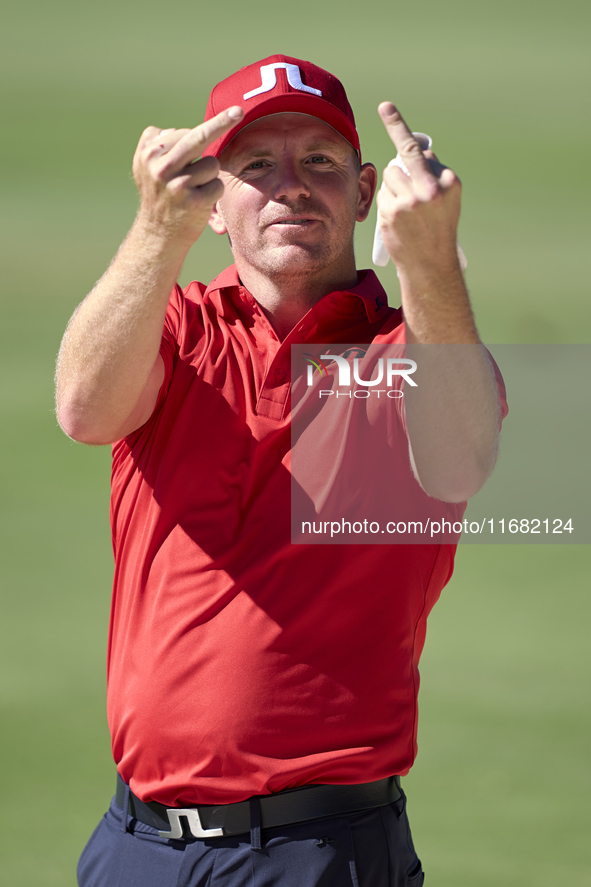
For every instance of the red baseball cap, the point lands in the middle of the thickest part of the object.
(281, 83)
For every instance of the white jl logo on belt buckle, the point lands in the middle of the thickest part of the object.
(195, 827)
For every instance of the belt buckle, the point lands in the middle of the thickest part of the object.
(194, 822)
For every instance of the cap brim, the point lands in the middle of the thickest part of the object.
(302, 104)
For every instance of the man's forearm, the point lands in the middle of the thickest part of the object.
(436, 305)
(110, 347)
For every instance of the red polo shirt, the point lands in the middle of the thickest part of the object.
(239, 663)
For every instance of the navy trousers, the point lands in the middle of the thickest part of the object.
(369, 849)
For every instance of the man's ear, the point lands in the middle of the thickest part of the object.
(216, 221)
(368, 181)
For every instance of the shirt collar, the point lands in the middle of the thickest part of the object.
(368, 289)
(372, 294)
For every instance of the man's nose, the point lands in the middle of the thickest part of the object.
(291, 183)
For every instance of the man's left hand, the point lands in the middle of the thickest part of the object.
(419, 212)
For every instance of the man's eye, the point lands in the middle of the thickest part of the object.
(319, 158)
(257, 164)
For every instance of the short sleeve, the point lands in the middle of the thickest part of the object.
(169, 344)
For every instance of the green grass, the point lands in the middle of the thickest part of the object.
(499, 792)
(500, 788)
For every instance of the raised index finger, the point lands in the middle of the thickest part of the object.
(405, 143)
(194, 143)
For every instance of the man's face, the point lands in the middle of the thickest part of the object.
(293, 191)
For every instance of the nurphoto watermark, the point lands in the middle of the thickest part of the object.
(353, 475)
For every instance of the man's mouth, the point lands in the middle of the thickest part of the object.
(293, 221)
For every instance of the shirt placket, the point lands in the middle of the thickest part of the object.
(273, 400)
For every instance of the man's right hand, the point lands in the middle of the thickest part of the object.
(178, 191)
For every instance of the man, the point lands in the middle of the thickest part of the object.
(266, 690)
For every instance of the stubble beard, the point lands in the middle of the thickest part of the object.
(308, 257)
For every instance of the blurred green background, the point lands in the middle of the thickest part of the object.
(499, 794)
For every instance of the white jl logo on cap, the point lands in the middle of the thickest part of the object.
(269, 80)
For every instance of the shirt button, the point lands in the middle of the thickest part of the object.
(279, 375)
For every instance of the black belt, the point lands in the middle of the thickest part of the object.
(283, 808)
